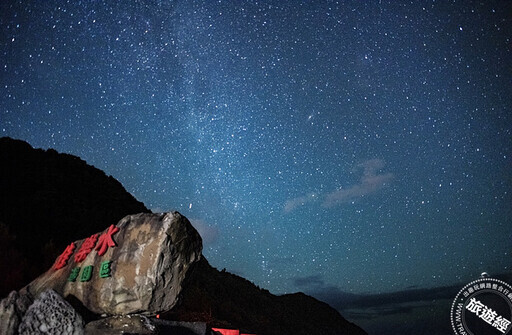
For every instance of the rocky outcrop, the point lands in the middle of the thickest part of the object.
(46, 200)
(12, 310)
(51, 314)
(137, 266)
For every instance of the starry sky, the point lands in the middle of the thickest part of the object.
(359, 146)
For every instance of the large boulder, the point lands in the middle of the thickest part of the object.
(136, 266)
(51, 314)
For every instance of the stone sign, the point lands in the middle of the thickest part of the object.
(136, 266)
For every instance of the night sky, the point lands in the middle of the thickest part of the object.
(361, 146)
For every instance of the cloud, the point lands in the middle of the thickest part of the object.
(209, 234)
(370, 182)
(291, 204)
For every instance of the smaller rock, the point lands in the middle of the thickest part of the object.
(51, 314)
(12, 310)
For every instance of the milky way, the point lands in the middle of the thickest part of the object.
(361, 146)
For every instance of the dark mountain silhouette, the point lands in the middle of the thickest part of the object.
(225, 300)
(47, 200)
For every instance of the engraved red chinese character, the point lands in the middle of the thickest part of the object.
(106, 240)
(86, 248)
(64, 257)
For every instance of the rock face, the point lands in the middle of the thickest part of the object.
(137, 266)
(51, 314)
